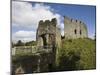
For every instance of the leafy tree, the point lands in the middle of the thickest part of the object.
(19, 43)
(30, 43)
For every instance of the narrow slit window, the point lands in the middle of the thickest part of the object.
(80, 32)
(75, 31)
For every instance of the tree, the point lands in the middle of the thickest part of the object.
(30, 43)
(20, 43)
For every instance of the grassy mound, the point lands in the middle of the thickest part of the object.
(77, 54)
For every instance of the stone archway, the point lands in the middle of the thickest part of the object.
(44, 40)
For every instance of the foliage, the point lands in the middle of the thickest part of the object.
(77, 54)
(19, 43)
(30, 43)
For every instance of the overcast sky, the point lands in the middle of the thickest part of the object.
(26, 15)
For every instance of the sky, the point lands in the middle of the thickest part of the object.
(26, 15)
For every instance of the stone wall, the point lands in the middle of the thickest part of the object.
(74, 29)
(48, 34)
(23, 50)
(39, 62)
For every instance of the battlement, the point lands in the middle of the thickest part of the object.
(75, 21)
(54, 21)
(41, 22)
(71, 20)
(48, 22)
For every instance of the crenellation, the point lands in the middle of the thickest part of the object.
(54, 21)
(41, 22)
(47, 22)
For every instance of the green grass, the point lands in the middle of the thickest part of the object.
(77, 54)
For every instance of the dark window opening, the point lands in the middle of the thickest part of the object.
(80, 32)
(71, 20)
(44, 41)
(75, 31)
(76, 20)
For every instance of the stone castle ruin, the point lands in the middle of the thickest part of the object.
(48, 35)
(74, 29)
(48, 38)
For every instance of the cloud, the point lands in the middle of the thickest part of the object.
(24, 36)
(28, 16)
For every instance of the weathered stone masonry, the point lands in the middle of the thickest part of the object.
(48, 35)
(74, 29)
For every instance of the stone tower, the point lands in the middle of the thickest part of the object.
(74, 29)
(48, 35)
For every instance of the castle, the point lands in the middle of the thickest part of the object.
(48, 38)
(74, 29)
(48, 34)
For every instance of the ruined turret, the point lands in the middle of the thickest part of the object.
(48, 34)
